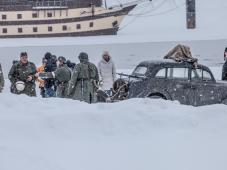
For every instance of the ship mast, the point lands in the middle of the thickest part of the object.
(105, 4)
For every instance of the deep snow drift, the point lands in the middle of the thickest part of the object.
(58, 134)
(145, 134)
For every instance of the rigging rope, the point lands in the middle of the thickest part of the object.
(151, 15)
(165, 12)
(159, 13)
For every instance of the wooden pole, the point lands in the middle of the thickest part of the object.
(191, 14)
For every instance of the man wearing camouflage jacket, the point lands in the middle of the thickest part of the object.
(23, 71)
(82, 85)
(2, 82)
(62, 76)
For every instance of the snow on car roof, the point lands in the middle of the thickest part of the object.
(168, 61)
(157, 62)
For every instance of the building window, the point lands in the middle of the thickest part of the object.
(78, 26)
(4, 30)
(91, 24)
(64, 27)
(35, 29)
(34, 15)
(49, 14)
(115, 24)
(50, 29)
(19, 16)
(20, 30)
(4, 17)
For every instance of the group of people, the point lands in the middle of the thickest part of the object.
(58, 77)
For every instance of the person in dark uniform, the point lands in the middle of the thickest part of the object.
(22, 76)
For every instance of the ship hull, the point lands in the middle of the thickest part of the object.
(110, 31)
(63, 22)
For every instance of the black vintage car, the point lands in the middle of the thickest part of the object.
(170, 80)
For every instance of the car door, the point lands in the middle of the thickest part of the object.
(179, 85)
(206, 92)
(138, 81)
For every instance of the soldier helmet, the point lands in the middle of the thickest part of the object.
(83, 56)
(62, 59)
(20, 85)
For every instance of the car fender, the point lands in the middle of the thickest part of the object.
(160, 92)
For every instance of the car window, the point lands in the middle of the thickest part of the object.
(200, 74)
(177, 73)
(206, 76)
(196, 74)
(161, 73)
(141, 70)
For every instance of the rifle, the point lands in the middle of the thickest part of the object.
(130, 76)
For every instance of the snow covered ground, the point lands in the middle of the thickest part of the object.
(137, 134)
(62, 134)
(58, 134)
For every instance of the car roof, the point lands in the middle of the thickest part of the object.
(168, 62)
(156, 62)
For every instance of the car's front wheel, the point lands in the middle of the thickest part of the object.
(157, 96)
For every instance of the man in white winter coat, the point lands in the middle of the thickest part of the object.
(107, 72)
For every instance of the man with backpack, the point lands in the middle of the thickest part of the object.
(62, 76)
(84, 80)
(22, 75)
